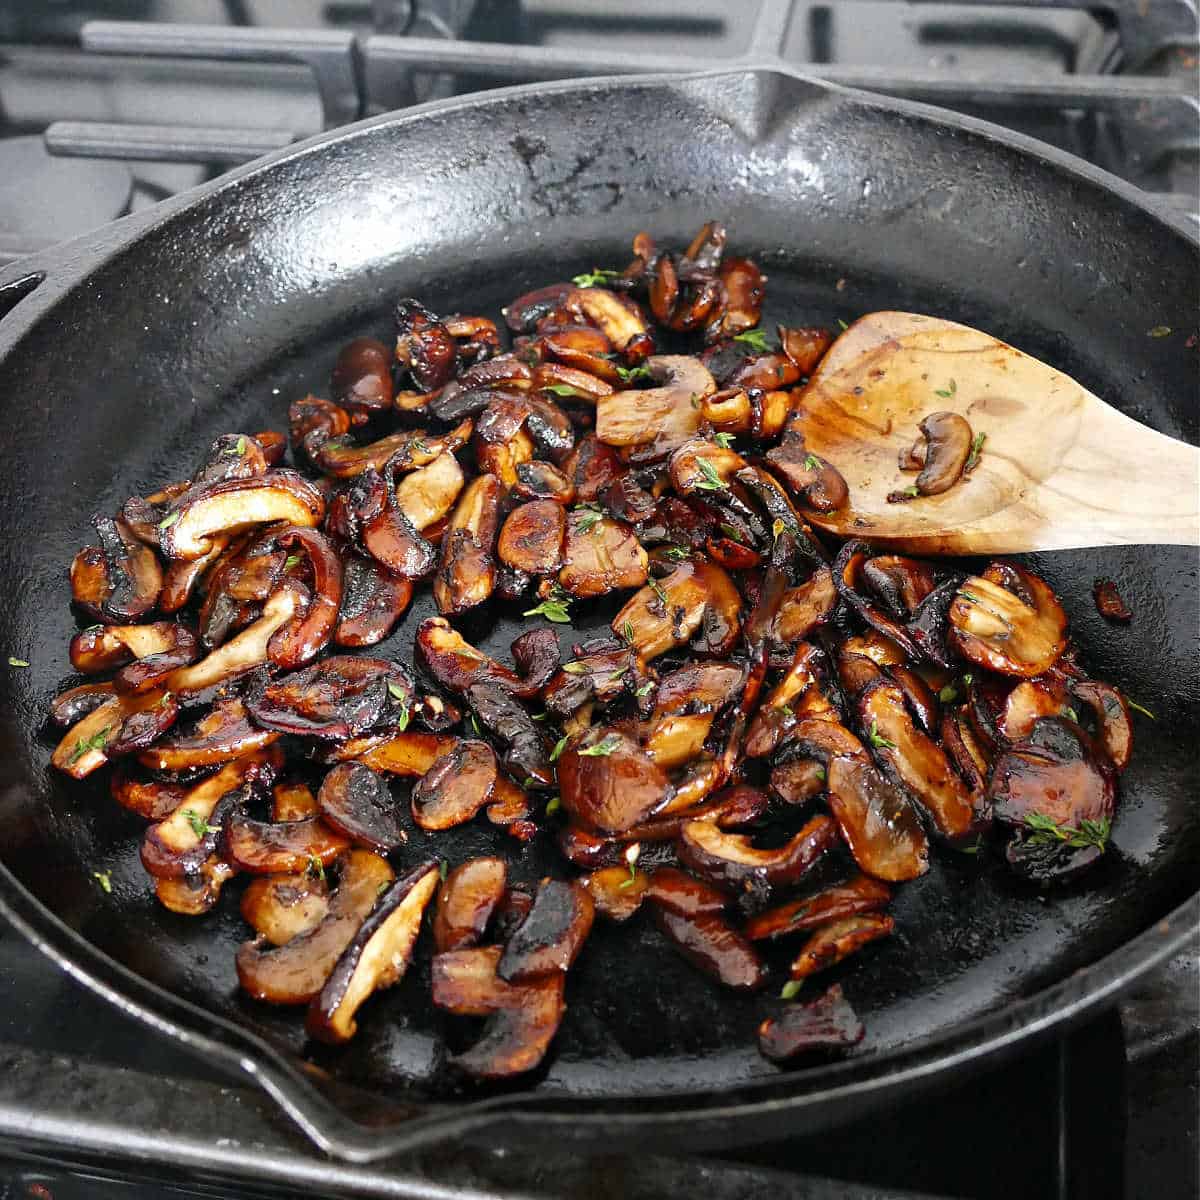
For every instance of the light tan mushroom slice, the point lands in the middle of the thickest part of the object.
(425, 496)
(96, 650)
(81, 750)
(678, 739)
(282, 907)
(601, 555)
(194, 895)
(665, 613)
(701, 466)
(668, 415)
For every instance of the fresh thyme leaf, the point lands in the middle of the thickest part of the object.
(104, 879)
(756, 339)
(316, 867)
(17, 662)
(199, 824)
(627, 633)
(970, 597)
(475, 726)
(712, 482)
(842, 325)
(1070, 712)
(656, 588)
(631, 858)
(1092, 833)
(730, 532)
(290, 561)
(397, 691)
(93, 629)
(912, 492)
(168, 520)
(404, 717)
(420, 445)
(1046, 832)
(575, 668)
(966, 681)
(675, 553)
(820, 773)
(791, 989)
(976, 449)
(1138, 708)
(241, 445)
(603, 748)
(812, 463)
(95, 742)
(588, 517)
(724, 440)
(877, 739)
(383, 887)
(563, 389)
(629, 374)
(539, 716)
(559, 747)
(595, 277)
(645, 689)
(554, 805)
(553, 608)
(695, 400)
(975, 848)
(946, 393)
(1159, 331)
(617, 676)
(443, 869)
(948, 694)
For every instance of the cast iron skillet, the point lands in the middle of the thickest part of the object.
(124, 353)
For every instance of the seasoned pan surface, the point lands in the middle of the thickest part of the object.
(142, 345)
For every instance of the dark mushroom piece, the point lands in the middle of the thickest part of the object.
(600, 555)
(617, 317)
(407, 450)
(552, 934)
(777, 718)
(1024, 705)
(424, 346)
(948, 439)
(805, 608)
(1109, 603)
(312, 422)
(531, 539)
(523, 313)
(831, 943)
(1114, 726)
(149, 798)
(455, 787)
(108, 646)
(827, 1023)
(684, 894)
(522, 1018)
(279, 847)
(813, 481)
(181, 579)
(536, 654)
(467, 901)
(616, 891)
(306, 635)
(102, 733)
(539, 480)
(862, 894)
(377, 956)
(591, 468)
(877, 822)
(713, 946)
(744, 287)
(222, 733)
(296, 972)
(362, 379)
(373, 600)
(467, 573)
(152, 670)
(283, 907)
(524, 747)
(195, 894)
(358, 804)
(609, 783)
(119, 580)
(293, 801)
(731, 808)
(383, 530)
(731, 860)
(454, 664)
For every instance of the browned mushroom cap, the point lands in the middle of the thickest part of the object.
(763, 371)
(377, 956)
(616, 892)
(1009, 621)
(149, 798)
(523, 314)
(901, 583)
(617, 317)
(362, 379)
(151, 670)
(601, 555)
(713, 946)
(75, 703)
(964, 748)
(1027, 703)
(196, 894)
(729, 809)
(877, 822)
(469, 896)
(224, 732)
(700, 466)
(455, 787)
(861, 894)
(1114, 726)
(406, 450)
(813, 481)
(273, 445)
(423, 345)
(233, 504)
(368, 511)
(798, 780)
(582, 348)
(537, 655)
(283, 907)
(295, 973)
(664, 417)
(407, 754)
(848, 577)
(731, 860)
(744, 287)
(609, 783)
(467, 573)
(838, 940)
(532, 537)
(777, 718)
(428, 494)
(523, 1018)
(696, 600)
(454, 664)
(552, 934)
(701, 687)
(828, 1023)
(539, 480)
(947, 446)
(373, 600)
(231, 456)
(525, 748)
(122, 724)
(916, 762)
(684, 894)
(805, 346)
(675, 740)
(307, 634)
(358, 804)
(805, 608)
(119, 580)
(105, 647)
(592, 467)
(312, 422)
(336, 698)
(283, 847)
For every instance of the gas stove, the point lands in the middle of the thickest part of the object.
(100, 117)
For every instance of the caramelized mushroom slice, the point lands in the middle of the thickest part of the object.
(862, 894)
(1026, 704)
(713, 946)
(877, 822)
(312, 422)
(536, 654)
(194, 895)
(696, 598)
(119, 580)
(828, 1023)
(601, 555)
(812, 480)
(543, 481)
(684, 894)
(455, 664)
(1109, 603)
(838, 940)
(664, 416)
(948, 440)
(591, 467)
(455, 787)
(285, 847)
(700, 466)
(673, 741)
(377, 956)
(408, 754)
(306, 634)
(292, 801)
(224, 732)
(701, 687)
(384, 531)
(152, 670)
(550, 937)
(283, 907)
(731, 860)
(1113, 722)
(526, 753)
(805, 608)
(427, 495)
(744, 290)
(961, 744)
(362, 379)
(616, 317)
(469, 896)
(358, 804)
(75, 703)
(997, 627)
(798, 780)
(233, 504)
(406, 450)
(608, 783)
(296, 972)
(149, 798)
(467, 573)
(522, 1018)
(616, 892)
(121, 724)
(777, 718)
(532, 537)
(805, 346)
(916, 762)
(373, 600)
(424, 346)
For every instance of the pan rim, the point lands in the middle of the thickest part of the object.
(985, 1036)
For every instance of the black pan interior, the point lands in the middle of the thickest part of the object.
(214, 319)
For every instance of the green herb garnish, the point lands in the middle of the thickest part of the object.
(946, 393)
(820, 774)
(104, 879)
(971, 598)
(563, 389)
(316, 867)
(199, 824)
(553, 608)
(842, 325)
(724, 440)
(443, 869)
(756, 339)
(948, 694)
(96, 742)
(475, 726)
(555, 803)
(627, 633)
(812, 463)
(595, 277)
(1138, 708)
(629, 374)
(290, 561)
(575, 668)
(1159, 331)
(675, 553)
(645, 689)
(603, 748)
(1047, 831)
(976, 448)
(631, 858)
(588, 517)
(712, 482)
(791, 989)
(1068, 711)
(17, 662)
(559, 747)
(730, 532)
(168, 520)
(878, 740)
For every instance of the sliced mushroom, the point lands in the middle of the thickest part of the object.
(591, 467)
(424, 346)
(713, 946)
(119, 725)
(969, 756)
(1026, 704)
(600, 555)
(828, 1023)
(283, 907)
(538, 480)
(552, 934)
(729, 809)
(805, 609)
(383, 529)
(362, 379)
(901, 583)
(663, 417)
(75, 703)
(744, 288)
(119, 580)
(233, 504)
(616, 891)
(455, 787)
(813, 481)
(838, 940)
(467, 901)
(877, 822)
(407, 450)
(696, 601)
(701, 687)
(948, 440)
(152, 670)
(149, 798)
(731, 860)
(700, 466)
(306, 635)
(454, 664)
(522, 1018)
(798, 780)
(377, 956)
(107, 646)
(862, 894)
(1114, 726)
(196, 894)
(284, 847)
(532, 537)
(684, 894)
(673, 741)
(408, 754)
(777, 718)
(467, 572)
(358, 804)
(1109, 603)
(222, 733)
(524, 747)
(609, 784)
(296, 972)
(805, 346)
(312, 422)
(293, 801)
(616, 317)
(995, 627)
(373, 600)
(427, 495)
(536, 654)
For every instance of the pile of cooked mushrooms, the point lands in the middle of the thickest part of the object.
(864, 706)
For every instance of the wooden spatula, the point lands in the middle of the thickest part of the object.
(1059, 467)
